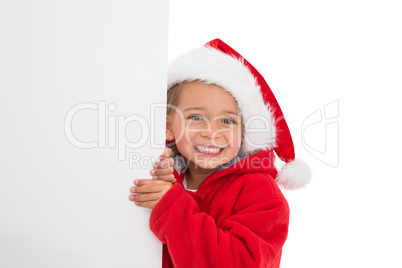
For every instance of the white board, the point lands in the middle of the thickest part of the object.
(77, 81)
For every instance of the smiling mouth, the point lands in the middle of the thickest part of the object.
(207, 149)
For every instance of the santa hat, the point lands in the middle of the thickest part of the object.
(265, 126)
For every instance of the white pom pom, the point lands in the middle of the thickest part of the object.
(294, 175)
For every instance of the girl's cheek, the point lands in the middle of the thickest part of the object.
(190, 132)
(239, 141)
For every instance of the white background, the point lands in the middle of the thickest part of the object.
(60, 205)
(315, 53)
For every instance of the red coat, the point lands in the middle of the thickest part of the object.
(237, 218)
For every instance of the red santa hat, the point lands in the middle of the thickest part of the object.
(265, 126)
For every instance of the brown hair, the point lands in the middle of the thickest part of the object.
(173, 96)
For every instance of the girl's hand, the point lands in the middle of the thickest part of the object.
(148, 192)
(163, 170)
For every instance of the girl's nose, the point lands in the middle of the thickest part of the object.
(213, 131)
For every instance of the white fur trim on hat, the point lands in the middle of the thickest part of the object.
(294, 175)
(215, 67)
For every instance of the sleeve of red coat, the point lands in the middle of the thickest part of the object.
(252, 236)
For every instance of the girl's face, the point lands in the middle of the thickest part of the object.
(206, 125)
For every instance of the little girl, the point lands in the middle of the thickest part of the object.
(218, 203)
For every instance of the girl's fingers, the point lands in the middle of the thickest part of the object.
(161, 172)
(148, 192)
(140, 182)
(145, 197)
(148, 204)
(148, 188)
(167, 153)
(164, 163)
(170, 178)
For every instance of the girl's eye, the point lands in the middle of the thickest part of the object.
(228, 121)
(195, 117)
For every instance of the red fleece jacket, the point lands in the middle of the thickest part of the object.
(237, 218)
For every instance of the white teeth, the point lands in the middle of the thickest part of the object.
(207, 150)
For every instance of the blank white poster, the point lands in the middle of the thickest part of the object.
(81, 88)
